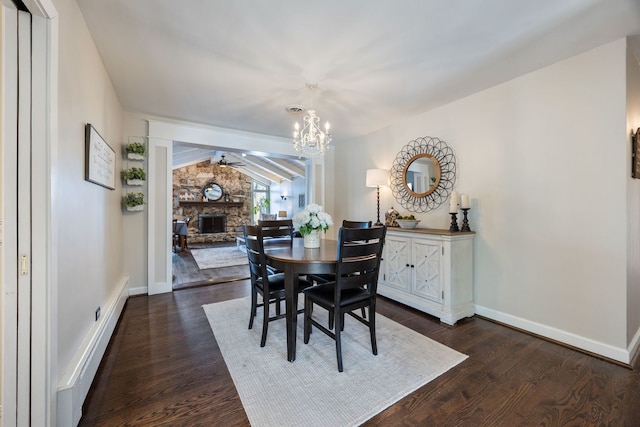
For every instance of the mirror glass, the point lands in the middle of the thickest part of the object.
(421, 175)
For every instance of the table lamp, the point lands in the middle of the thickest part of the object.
(377, 178)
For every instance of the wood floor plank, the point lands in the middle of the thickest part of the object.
(163, 367)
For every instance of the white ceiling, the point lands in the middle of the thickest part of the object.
(237, 64)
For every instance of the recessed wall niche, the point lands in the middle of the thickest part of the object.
(188, 183)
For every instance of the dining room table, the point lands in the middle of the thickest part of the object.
(294, 260)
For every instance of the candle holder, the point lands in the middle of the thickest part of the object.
(454, 222)
(465, 221)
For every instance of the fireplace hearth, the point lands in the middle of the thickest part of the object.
(212, 223)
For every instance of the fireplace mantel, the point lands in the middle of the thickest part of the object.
(222, 204)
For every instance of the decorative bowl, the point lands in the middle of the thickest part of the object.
(408, 223)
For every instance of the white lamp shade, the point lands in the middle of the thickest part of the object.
(377, 178)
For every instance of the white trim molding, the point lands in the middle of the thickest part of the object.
(78, 376)
(580, 342)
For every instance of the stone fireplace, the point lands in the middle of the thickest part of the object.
(212, 223)
(222, 220)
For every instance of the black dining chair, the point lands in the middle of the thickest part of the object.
(269, 286)
(325, 278)
(358, 266)
(276, 229)
(279, 228)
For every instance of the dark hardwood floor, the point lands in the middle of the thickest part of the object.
(163, 367)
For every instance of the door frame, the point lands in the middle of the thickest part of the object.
(160, 198)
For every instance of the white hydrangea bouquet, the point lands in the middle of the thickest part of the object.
(309, 222)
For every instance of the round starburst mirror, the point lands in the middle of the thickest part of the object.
(423, 174)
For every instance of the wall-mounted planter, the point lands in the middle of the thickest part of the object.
(134, 176)
(136, 150)
(133, 201)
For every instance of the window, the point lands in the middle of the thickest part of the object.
(260, 200)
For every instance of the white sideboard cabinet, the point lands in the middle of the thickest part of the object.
(430, 270)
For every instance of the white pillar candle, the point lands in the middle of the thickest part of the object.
(464, 201)
(453, 203)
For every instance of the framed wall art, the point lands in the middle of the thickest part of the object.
(100, 159)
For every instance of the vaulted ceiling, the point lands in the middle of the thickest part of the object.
(261, 168)
(238, 64)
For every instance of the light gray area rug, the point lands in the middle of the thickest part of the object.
(219, 257)
(311, 391)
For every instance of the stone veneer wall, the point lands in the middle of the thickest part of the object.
(192, 179)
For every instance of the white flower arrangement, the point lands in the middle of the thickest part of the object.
(312, 218)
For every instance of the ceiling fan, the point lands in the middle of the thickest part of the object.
(224, 163)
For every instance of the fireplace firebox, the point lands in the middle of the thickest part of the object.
(212, 223)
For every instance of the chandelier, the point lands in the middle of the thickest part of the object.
(311, 141)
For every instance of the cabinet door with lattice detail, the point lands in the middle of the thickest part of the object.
(396, 264)
(426, 265)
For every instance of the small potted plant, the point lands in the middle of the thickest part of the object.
(263, 205)
(136, 151)
(134, 176)
(133, 201)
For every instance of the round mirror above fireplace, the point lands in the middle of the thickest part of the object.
(212, 191)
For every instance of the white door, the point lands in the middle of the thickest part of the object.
(16, 217)
(26, 317)
(397, 258)
(426, 262)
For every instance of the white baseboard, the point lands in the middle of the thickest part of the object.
(606, 350)
(78, 376)
(634, 345)
(143, 290)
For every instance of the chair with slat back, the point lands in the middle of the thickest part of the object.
(269, 286)
(325, 278)
(358, 266)
(276, 229)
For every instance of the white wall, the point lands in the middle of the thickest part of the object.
(633, 196)
(89, 244)
(545, 161)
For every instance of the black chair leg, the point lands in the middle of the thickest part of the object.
(372, 330)
(308, 309)
(338, 319)
(265, 321)
(254, 305)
